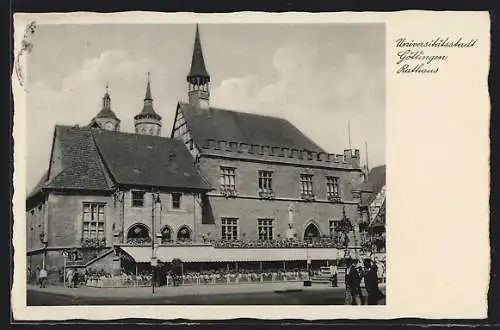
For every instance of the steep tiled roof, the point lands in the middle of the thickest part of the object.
(146, 160)
(221, 124)
(132, 159)
(375, 180)
(81, 163)
(374, 183)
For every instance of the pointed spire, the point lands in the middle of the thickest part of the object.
(148, 88)
(198, 68)
(148, 110)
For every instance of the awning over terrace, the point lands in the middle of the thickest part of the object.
(211, 254)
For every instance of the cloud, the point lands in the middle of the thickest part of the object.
(319, 93)
(318, 82)
(77, 98)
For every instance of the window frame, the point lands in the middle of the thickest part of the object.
(227, 179)
(268, 225)
(265, 181)
(96, 222)
(233, 224)
(332, 186)
(306, 182)
(172, 205)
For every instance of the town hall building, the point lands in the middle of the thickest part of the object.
(224, 186)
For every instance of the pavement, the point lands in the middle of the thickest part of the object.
(163, 291)
(291, 293)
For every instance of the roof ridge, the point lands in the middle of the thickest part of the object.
(108, 175)
(143, 136)
(239, 111)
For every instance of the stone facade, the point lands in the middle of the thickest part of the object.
(248, 207)
(59, 219)
(187, 215)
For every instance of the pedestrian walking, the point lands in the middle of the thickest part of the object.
(69, 277)
(334, 275)
(43, 278)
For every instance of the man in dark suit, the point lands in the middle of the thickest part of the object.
(354, 284)
(371, 283)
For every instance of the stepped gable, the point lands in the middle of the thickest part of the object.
(242, 127)
(145, 160)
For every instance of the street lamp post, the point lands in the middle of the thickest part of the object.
(154, 244)
(344, 228)
(309, 235)
(65, 256)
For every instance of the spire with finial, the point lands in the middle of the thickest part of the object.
(148, 88)
(106, 118)
(148, 121)
(198, 78)
(106, 100)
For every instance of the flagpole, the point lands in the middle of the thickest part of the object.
(349, 132)
(366, 151)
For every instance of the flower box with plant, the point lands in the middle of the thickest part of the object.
(139, 241)
(94, 243)
(334, 197)
(228, 192)
(266, 194)
(308, 197)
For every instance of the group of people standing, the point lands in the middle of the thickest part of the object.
(369, 273)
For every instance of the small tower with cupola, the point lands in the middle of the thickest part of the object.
(106, 118)
(148, 122)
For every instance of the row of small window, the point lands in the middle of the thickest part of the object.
(265, 179)
(138, 199)
(265, 228)
(230, 229)
(93, 214)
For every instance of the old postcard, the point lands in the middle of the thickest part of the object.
(273, 166)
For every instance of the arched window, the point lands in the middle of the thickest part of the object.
(311, 232)
(138, 234)
(166, 235)
(184, 234)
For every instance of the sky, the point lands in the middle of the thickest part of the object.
(318, 76)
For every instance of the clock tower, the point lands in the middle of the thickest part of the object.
(106, 118)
